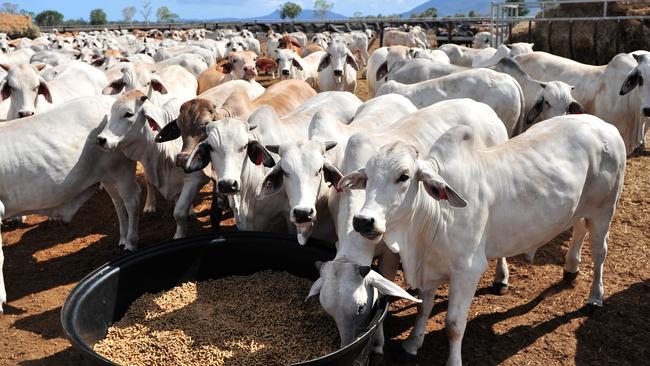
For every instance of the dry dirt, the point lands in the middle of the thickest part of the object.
(538, 322)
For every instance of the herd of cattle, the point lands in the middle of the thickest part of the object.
(446, 166)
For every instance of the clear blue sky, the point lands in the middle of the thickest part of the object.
(210, 9)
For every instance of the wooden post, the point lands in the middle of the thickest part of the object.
(618, 36)
(530, 31)
(449, 27)
(381, 34)
(571, 40)
(595, 39)
(548, 37)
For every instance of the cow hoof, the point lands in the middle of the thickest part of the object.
(591, 310)
(124, 250)
(403, 357)
(569, 277)
(499, 288)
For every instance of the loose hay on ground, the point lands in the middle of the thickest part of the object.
(261, 319)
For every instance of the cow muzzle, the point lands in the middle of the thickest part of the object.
(303, 215)
(104, 144)
(338, 72)
(365, 226)
(181, 159)
(285, 72)
(23, 114)
(228, 186)
(249, 73)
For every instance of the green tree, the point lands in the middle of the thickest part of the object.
(28, 13)
(146, 10)
(473, 14)
(165, 15)
(9, 8)
(128, 13)
(459, 14)
(290, 10)
(97, 17)
(429, 13)
(321, 7)
(357, 15)
(49, 18)
(523, 9)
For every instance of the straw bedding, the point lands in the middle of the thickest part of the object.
(261, 319)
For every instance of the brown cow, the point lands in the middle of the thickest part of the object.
(283, 97)
(238, 65)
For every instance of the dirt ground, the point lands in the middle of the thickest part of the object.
(538, 322)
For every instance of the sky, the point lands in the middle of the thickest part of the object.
(211, 9)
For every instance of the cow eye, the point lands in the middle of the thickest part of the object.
(319, 171)
(547, 103)
(285, 173)
(128, 114)
(360, 309)
(403, 178)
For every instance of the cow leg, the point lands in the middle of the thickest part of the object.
(501, 276)
(462, 286)
(572, 258)
(120, 209)
(150, 201)
(3, 291)
(184, 205)
(129, 191)
(364, 56)
(598, 234)
(416, 337)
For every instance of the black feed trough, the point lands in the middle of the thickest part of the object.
(103, 297)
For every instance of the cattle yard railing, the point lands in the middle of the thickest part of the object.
(504, 16)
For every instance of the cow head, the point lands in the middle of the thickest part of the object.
(392, 177)
(286, 61)
(338, 56)
(348, 291)
(235, 44)
(301, 171)
(321, 40)
(228, 145)
(553, 100)
(242, 65)
(638, 78)
(395, 54)
(191, 124)
(23, 84)
(132, 118)
(136, 78)
(481, 40)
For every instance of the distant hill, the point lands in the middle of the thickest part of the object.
(451, 7)
(307, 14)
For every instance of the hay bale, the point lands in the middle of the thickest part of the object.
(590, 42)
(18, 26)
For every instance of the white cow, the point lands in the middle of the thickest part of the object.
(376, 61)
(305, 167)
(292, 66)
(132, 129)
(482, 40)
(614, 92)
(235, 149)
(499, 91)
(487, 203)
(412, 38)
(346, 283)
(31, 94)
(50, 165)
(420, 69)
(337, 70)
(459, 55)
(357, 42)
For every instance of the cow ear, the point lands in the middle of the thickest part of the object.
(99, 61)
(387, 287)
(331, 174)
(271, 184)
(259, 155)
(44, 90)
(381, 71)
(169, 132)
(296, 64)
(226, 67)
(354, 180)
(576, 108)
(158, 85)
(5, 90)
(199, 158)
(536, 110)
(631, 81)
(315, 288)
(351, 61)
(6, 67)
(40, 67)
(324, 62)
(115, 87)
(265, 62)
(437, 187)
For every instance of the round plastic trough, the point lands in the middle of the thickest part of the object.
(104, 295)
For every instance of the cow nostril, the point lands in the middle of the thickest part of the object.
(646, 112)
(338, 72)
(363, 224)
(285, 72)
(234, 186)
(25, 114)
(101, 141)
